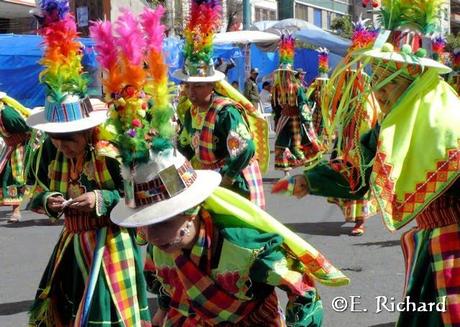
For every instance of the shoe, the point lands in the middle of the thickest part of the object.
(358, 230)
(14, 219)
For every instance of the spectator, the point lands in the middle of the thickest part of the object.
(251, 90)
(266, 97)
(224, 65)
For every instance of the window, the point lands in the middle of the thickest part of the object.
(329, 20)
(301, 11)
(318, 17)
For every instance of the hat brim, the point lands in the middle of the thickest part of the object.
(394, 56)
(216, 77)
(38, 121)
(206, 182)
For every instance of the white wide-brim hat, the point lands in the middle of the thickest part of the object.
(412, 60)
(215, 77)
(204, 184)
(96, 117)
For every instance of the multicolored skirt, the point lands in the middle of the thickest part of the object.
(296, 144)
(356, 210)
(432, 260)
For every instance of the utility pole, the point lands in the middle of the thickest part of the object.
(246, 14)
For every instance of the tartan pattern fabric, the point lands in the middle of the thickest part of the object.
(396, 212)
(208, 160)
(253, 176)
(119, 267)
(445, 251)
(198, 293)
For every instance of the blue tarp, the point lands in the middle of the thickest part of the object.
(20, 68)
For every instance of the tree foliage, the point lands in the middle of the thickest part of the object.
(343, 26)
(453, 41)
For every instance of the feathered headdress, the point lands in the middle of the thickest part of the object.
(123, 52)
(285, 82)
(62, 57)
(363, 36)
(287, 50)
(323, 62)
(204, 21)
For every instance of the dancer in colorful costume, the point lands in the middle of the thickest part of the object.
(314, 90)
(16, 134)
(222, 130)
(94, 276)
(345, 157)
(296, 141)
(215, 258)
(411, 162)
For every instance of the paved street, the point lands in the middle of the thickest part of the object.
(373, 262)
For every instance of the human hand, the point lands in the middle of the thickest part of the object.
(226, 181)
(300, 186)
(85, 202)
(55, 203)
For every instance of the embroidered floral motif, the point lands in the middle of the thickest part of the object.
(169, 278)
(75, 190)
(196, 140)
(235, 144)
(88, 170)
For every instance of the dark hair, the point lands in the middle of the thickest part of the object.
(264, 84)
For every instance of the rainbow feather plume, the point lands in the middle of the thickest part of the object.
(157, 87)
(323, 60)
(287, 49)
(63, 54)
(204, 21)
(363, 37)
(123, 52)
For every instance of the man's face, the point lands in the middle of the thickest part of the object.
(199, 93)
(254, 75)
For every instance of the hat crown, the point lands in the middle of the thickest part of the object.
(167, 174)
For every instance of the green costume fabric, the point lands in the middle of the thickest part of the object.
(232, 141)
(90, 248)
(13, 160)
(247, 264)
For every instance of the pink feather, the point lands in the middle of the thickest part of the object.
(106, 48)
(151, 22)
(130, 37)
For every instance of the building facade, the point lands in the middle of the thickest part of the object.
(15, 17)
(455, 16)
(318, 12)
